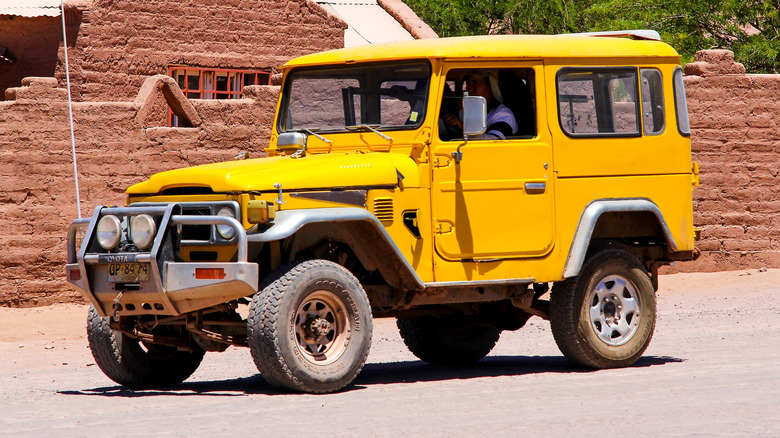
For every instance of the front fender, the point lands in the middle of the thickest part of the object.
(369, 235)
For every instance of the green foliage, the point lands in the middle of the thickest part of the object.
(749, 28)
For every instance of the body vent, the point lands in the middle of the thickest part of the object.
(383, 209)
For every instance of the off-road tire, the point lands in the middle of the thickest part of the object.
(605, 316)
(305, 294)
(126, 362)
(448, 340)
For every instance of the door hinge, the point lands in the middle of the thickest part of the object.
(444, 227)
(441, 161)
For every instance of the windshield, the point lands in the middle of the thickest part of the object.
(387, 96)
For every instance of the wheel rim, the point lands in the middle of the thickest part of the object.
(322, 330)
(614, 310)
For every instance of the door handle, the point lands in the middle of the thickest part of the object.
(535, 188)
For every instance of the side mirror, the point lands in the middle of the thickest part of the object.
(288, 141)
(474, 115)
(474, 121)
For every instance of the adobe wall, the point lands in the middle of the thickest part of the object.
(114, 45)
(735, 120)
(34, 45)
(121, 42)
(118, 144)
(736, 140)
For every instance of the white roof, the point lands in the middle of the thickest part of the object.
(30, 8)
(368, 22)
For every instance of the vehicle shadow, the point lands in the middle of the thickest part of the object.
(376, 374)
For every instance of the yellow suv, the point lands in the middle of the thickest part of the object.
(446, 183)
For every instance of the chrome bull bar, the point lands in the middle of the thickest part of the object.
(173, 287)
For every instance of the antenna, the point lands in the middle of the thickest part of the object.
(70, 109)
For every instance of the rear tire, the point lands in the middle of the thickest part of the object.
(605, 316)
(448, 341)
(310, 329)
(134, 364)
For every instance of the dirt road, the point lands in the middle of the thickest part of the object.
(713, 369)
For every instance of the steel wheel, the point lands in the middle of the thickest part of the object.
(614, 310)
(310, 328)
(321, 327)
(605, 316)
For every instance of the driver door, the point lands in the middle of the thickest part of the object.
(496, 203)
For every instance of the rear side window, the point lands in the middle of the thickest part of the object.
(681, 103)
(599, 102)
(652, 101)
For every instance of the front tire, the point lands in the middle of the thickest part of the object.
(605, 316)
(448, 340)
(310, 328)
(134, 364)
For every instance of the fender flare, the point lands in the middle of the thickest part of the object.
(288, 222)
(590, 216)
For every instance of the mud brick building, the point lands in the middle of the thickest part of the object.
(131, 62)
(735, 119)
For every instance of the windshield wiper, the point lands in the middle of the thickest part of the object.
(370, 128)
(311, 132)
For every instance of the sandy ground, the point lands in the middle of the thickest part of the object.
(713, 369)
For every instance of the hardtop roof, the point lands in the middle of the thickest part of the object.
(493, 47)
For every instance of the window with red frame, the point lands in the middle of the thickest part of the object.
(214, 83)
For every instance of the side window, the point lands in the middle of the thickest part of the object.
(509, 93)
(681, 103)
(652, 101)
(598, 102)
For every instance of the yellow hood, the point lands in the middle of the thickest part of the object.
(310, 172)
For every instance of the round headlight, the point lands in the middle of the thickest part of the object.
(142, 230)
(109, 231)
(226, 231)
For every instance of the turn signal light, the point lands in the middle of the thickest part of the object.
(209, 273)
(259, 211)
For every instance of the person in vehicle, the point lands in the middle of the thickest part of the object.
(501, 121)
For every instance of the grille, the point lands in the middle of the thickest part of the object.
(383, 209)
(196, 232)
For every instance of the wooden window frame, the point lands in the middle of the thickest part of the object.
(236, 80)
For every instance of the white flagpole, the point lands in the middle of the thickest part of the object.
(70, 109)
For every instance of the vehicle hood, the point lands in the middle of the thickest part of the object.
(310, 172)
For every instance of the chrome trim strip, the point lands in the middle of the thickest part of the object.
(479, 283)
(589, 218)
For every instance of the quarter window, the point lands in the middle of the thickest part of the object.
(598, 102)
(652, 101)
(681, 103)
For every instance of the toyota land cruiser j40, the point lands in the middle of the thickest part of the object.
(446, 183)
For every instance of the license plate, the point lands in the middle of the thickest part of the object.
(128, 272)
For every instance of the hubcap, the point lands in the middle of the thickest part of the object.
(321, 327)
(614, 310)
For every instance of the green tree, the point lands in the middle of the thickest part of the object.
(749, 28)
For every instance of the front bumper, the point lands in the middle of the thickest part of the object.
(172, 286)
